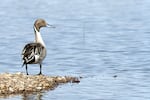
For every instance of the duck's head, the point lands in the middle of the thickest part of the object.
(41, 23)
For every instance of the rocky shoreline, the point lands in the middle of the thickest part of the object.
(18, 83)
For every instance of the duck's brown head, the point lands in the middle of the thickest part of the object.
(40, 23)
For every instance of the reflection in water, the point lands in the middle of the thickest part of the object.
(33, 96)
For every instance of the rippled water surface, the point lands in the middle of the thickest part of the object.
(107, 42)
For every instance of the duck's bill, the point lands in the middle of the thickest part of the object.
(50, 26)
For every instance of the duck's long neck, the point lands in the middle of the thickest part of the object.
(38, 38)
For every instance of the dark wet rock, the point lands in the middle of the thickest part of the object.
(21, 83)
(115, 76)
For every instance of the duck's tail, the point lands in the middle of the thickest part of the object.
(23, 63)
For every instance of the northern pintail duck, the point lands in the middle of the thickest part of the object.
(35, 52)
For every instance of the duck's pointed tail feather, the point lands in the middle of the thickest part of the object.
(23, 64)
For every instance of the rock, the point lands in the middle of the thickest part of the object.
(39, 88)
(21, 83)
(11, 90)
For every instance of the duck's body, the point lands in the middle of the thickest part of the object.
(34, 53)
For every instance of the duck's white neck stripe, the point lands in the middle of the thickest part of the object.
(38, 38)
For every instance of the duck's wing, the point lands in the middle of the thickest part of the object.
(32, 53)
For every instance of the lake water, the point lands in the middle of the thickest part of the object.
(107, 42)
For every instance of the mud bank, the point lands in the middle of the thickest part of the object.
(18, 83)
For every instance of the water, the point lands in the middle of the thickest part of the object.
(95, 39)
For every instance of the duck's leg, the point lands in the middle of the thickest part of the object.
(40, 69)
(27, 69)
